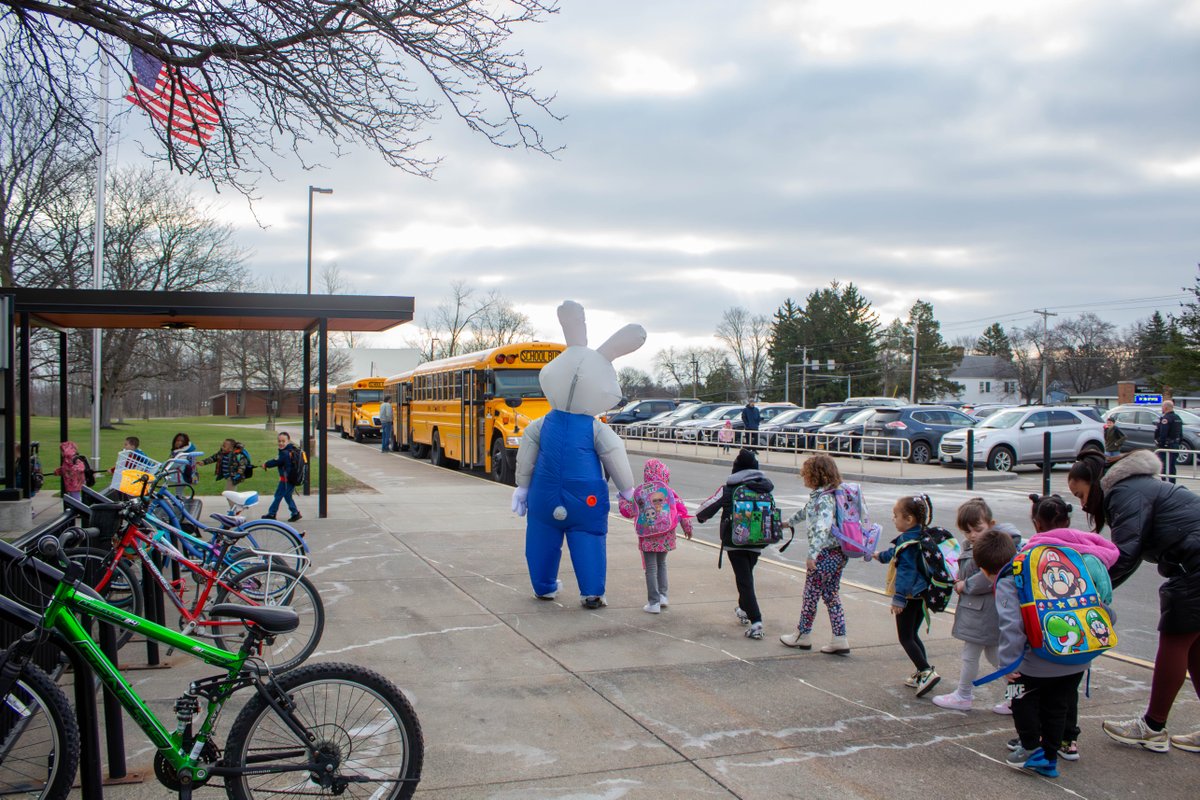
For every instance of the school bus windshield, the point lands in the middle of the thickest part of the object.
(368, 395)
(517, 383)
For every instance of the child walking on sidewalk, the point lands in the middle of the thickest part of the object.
(905, 583)
(658, 511)
(975, 622)
(825, 560)
(725, 436)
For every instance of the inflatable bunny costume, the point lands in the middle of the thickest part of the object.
(560, 483)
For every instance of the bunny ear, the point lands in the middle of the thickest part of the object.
(623, 342)
(570, 316)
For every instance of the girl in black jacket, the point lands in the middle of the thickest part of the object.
(742, 559)
(1159, 522)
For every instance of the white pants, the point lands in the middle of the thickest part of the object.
(970, 666)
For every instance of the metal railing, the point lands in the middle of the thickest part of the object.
(703, 441)
(1173, 466)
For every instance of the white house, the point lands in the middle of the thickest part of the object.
(985, 379)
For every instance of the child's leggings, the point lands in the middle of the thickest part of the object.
(823, 583)
(656, 575)
(970, 666)
(1177, 653)
(908, 627)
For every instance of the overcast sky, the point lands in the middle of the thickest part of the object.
(990, 157)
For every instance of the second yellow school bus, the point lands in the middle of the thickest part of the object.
(471, 410)
(355, 408)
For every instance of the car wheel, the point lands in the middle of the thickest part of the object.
(1002, 459)
(921, 453)
(1185, 459)
(358, 435)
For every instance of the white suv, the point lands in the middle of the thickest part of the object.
(1014, 436)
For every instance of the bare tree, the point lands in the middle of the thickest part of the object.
(157, 238)
(748, 337)
(689, 368)
(1027, 352)
(44, 155)
(1086, 350)
(633, 381)
(499, 323)
(287, 72)
(447, 331)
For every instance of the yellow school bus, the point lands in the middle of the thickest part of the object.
(470, 410)
(355, 409)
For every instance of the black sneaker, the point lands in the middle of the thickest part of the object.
(267, 516)
(295, 517)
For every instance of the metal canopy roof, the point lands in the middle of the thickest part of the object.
(90, 308)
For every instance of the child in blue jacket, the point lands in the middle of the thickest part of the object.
(288, 452)
(905, 583)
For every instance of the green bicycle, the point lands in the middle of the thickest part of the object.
(322, 730)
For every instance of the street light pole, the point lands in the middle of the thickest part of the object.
(311, 191)
(1045, 315)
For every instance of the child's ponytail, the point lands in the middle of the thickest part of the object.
(919, 507)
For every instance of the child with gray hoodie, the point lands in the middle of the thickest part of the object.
(975, 622)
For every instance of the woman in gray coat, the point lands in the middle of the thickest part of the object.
(1151, 520)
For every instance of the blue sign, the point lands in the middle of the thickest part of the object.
(1148, 399)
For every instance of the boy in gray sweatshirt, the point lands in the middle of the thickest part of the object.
(1040, 690)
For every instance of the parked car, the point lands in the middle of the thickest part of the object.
(642, 429)
(772, 430)
(799, 434)
(1138, 423)
(640, 410)
(767, 412)
(844, 436)
(921, 426)
(663, 426)
(690, 430)
(985, 410)
(1014, 436)
(875, 402)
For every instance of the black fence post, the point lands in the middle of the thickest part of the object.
(1046, 463)
(970, 459)
(90, 777)
(152, 601)
(114, 725)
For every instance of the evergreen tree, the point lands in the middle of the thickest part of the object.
(1151, 337)
(1182, 370)
(836, 324)
(994, 341)
(935, 359)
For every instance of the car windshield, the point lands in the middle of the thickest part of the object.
(861, 416)
(883, 416)
(717, 413)
(661, 416)
(1188, 417)
(368, 395)
(788, 416)
(1003, 419)
(828, 414)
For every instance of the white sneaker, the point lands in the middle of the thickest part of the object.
(1135, 731)
(755, 631)
(741, 615)
(929, 679)
(1004, 709)
(954, 701)
(912, 680)
(593, 602)
(662, 600)
(652, 608)
(550, 595)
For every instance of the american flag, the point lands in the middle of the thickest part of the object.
(189, 113)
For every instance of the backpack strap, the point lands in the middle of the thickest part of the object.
(1000, 672)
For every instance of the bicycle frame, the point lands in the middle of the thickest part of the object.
(178, 514)
(59, 617)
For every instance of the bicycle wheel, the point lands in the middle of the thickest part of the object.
(366, 736)
(272, 537)
(272, 585)
(39, 739)
(123, 589)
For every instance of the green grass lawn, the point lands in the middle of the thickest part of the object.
(206, 433)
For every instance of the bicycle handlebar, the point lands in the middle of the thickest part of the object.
(53, 546)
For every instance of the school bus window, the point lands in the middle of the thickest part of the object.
(517, 383)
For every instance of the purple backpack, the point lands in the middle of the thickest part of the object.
(851, 528)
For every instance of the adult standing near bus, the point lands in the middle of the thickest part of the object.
(1168, 435)
(385, 424)
(751, 416)
(1155, 521)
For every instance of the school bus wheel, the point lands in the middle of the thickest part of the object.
(502, 468)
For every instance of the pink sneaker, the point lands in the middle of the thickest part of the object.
(953, 701)
(1003, 709)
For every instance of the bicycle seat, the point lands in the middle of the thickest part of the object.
(241, 498)
(269, 619)
(231, 520)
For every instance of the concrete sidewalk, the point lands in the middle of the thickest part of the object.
(425, 581)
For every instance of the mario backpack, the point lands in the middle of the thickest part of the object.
(1065, 618)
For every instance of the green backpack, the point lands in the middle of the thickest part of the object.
(755, 521)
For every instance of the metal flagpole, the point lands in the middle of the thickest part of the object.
(98, 248)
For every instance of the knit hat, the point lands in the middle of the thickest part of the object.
(745, 460)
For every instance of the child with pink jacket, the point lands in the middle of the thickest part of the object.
(72, 470)
(658, 510)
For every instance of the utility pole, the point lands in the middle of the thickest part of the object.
(912, 395)
(696, 377)
(1045, 337)
(804, 377)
